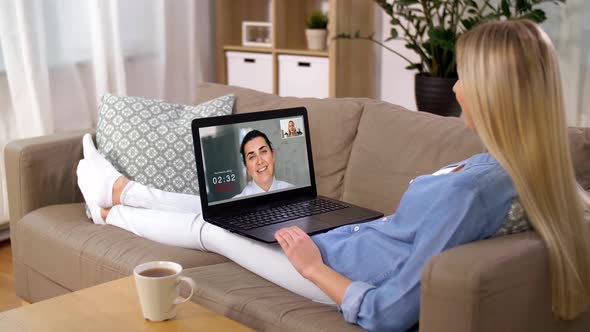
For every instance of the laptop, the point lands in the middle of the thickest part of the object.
(256, 176)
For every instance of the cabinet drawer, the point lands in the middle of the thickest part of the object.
(250, 70)
(303, 76)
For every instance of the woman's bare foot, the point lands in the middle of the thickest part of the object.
(118, 187)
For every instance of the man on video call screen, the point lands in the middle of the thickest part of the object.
(254, 158)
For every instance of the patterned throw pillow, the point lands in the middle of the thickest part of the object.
(516, 221)
(150, 141)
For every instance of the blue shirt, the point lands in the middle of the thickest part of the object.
(385, 257)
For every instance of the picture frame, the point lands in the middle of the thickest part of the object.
(258, 34)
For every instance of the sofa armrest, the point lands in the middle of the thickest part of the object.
(500, 284)
(41, 171)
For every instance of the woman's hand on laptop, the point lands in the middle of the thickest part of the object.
(302, 252)
(305, 256)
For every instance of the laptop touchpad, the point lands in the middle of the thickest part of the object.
(308, 225)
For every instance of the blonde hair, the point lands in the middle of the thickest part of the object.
(511, 83)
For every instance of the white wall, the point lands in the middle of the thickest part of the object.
(395, 84)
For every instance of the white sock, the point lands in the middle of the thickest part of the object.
(96, 176)
(95, 213)
(93, 208)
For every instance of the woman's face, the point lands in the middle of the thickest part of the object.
(466, 112)
(291, 127)
(260, 161)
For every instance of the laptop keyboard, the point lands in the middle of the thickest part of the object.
(282, 213)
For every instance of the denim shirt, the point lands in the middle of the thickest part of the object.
(385, 257)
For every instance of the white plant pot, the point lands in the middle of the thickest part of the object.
(316, 39)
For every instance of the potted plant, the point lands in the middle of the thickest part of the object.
(431, 28)
(316, 32)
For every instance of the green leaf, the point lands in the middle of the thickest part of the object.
(393, 33)
(473, 4)
(442, 38)
(536, 15)
(427, 46)
(523, 6)
(406, 2)
(387, 7)
(506, 8)
(469, 23)
(317, 20)
(394, 21)
(343, 36)
(357, 34)
(414, 47)
(417, 65)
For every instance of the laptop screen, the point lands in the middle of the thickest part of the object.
(248, 159)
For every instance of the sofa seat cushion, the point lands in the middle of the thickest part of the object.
(241, 295)
(60, 243)
(332, 124)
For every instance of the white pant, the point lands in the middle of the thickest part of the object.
(176, 219)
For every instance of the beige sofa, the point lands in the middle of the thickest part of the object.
(365, 152)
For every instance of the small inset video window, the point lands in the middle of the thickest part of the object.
(292, 128)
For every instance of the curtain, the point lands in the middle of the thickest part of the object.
(570, 33)
(573, 45)
(58, 57)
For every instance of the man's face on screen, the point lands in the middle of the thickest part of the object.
(260, 162)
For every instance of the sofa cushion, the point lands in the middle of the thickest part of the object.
(332, 123)
(60, 243)
(150, 141)
(243, 296)
(394, 145)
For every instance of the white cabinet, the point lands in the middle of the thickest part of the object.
(250, 70)
(303, 76)
(298, 76)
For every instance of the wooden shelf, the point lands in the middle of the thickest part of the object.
(240, 48)
(301, 52)
(351, 63)
(290, 51)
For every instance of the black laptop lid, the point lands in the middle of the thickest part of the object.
(230, 182)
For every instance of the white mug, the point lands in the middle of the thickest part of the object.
(158, 292)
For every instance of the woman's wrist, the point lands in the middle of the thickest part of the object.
(314, 272)
(329, 281)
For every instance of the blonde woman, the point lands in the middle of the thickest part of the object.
(510, 93)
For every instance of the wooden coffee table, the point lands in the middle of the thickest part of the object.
(112, 306)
